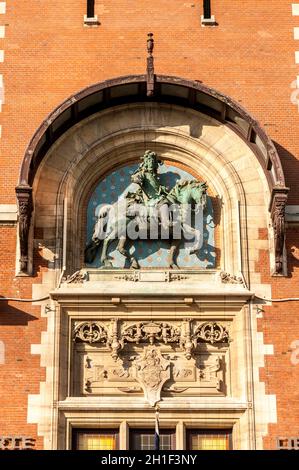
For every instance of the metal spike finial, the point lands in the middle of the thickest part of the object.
(150, 72)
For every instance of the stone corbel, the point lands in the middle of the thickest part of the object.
(25, 207)
(277, 209)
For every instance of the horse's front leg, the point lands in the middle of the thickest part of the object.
(121, 247)
(106, 243)
(173, 253)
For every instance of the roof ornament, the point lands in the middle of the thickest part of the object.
(150, 71)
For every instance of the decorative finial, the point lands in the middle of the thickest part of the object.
(150, 80)
(150, 43)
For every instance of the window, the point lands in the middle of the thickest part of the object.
(288, 443)
(207, 19)
(144, 439)
(90, 19)
(208, 440)
(104, 439)
(207, 9)
(90, 8)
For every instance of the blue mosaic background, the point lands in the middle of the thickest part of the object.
(149, 253)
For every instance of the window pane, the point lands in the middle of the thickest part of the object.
(145, 440)
(96, 441)
(201, 440)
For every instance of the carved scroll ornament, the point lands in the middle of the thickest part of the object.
(150, 332)
(90, 332)
(94, 332)
(211, 332)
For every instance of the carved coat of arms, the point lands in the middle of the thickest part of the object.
(152, 371)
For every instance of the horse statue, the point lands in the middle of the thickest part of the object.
(151, 205)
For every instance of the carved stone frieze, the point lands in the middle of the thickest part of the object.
(152, 371)
(202, 375)
(151, 332)
(211, 332)
(183, 335)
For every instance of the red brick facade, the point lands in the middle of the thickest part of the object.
(49, 55)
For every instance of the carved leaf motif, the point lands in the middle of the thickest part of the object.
(211, 332)
(151, 332)
(90, 332)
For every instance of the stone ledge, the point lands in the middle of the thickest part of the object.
(201, 404)
(208, 21)
(8, 213)
(91, 21)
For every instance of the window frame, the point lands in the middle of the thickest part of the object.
(100, 431)
(163, 431)
(212, 432)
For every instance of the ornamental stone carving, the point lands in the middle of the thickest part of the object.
(152, 371)
(95, 332)
(90, 332)
(227, 278)
(114, 342)
(182, 335)
(77, 278)
(208, 373)
(151, 332)
(211, 332)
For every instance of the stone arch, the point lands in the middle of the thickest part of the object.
(119, 95)
(120, 134)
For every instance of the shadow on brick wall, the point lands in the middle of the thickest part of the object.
(11, 315)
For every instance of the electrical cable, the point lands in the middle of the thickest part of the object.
(286, 299)
(14, 299)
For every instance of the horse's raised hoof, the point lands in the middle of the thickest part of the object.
(174, 266)
(135, 264)
(107, 264)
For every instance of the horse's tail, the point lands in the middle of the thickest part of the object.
(91, 250)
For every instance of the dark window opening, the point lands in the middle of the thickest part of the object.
(90, 8)
(207, 9)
